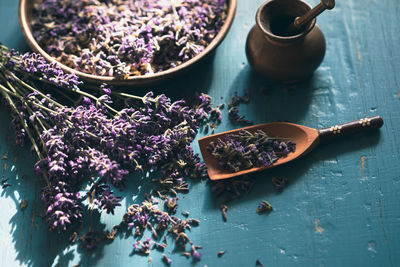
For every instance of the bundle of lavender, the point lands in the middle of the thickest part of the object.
(95, 144)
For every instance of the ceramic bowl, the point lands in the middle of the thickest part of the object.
(25, 17)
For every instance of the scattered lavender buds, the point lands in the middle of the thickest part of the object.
(233, 111)
(143, 247)
(264, 206)
(150, 215)
(124, 38)
(114, 231)
(246, 150)
(232, 188)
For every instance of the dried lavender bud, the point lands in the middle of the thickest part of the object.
(171, 204)
(224, 209)
(232, 188)
(73, 237)
(264, 206)
(186, 254)
(114, 231)
(259, 263)
(90, 240)
(279, 183)
(246, 150)
(23, 204)
(233, 111)
(196, 255)
(185, 213)
(221, 253)
(235, 117)
(126, 38)
(160, 246)
(4, 183)
(166, 259)
(193, 222)
(143, 247)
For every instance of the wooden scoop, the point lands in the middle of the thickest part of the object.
(305, 138)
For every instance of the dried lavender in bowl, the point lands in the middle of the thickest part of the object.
(246, 150)
(124, 38)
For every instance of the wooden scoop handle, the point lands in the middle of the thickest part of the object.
(341, 130)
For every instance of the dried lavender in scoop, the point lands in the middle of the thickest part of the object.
(246, 150)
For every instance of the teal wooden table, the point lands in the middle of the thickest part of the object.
(342, 203)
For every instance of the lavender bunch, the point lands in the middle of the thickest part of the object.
(124, 38)
(93, 143)
(247, 150)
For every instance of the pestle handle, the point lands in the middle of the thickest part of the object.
(345, 129)
(321, 7)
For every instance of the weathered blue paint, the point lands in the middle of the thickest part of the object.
(341, 207)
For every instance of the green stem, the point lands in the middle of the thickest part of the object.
(5, 90)
(34, 90)
(96, 99)
(28, 132)
(134, 97)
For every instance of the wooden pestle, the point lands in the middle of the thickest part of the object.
(299, 22)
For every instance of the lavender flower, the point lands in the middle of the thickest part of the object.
(61, 206)
(143, 247)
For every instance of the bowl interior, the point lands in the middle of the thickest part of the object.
(26, 16)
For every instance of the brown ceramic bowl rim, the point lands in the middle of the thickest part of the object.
(131, 80)
(283, 38)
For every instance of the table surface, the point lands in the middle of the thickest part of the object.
(341, 205)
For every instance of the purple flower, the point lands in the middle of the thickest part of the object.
(166, 259)
(196, 255)
(61, 207)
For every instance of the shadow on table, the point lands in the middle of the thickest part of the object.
(278, 102)
(273, 101)
(292, 171)
(34, 245)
